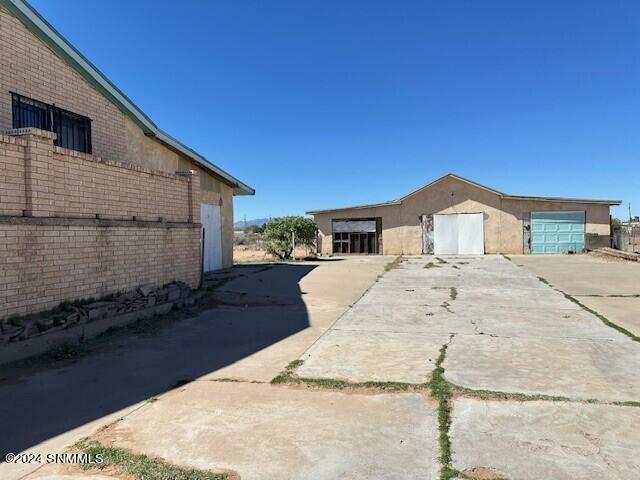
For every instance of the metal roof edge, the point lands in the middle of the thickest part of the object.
(562, 199)
(240, 188)
(369, 205)
(40, 27)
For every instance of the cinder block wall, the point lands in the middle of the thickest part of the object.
(74, 226)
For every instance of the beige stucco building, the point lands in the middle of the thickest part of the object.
(456, 215)
(93, 195)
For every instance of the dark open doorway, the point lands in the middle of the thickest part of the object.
(361, 236)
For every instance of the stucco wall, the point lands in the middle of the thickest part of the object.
(503, 218)
(392, 228)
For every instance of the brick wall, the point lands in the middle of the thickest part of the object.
(41, 180)
(12, 185)
(29, 68)
(46, 261)
(75, 226)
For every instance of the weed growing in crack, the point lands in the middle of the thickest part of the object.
(602, 318)
(441, 261)
(627, 404)
(453, 293)
(394, 264)
(335, 384)
(137, 465)
(441, 391)
(288, 377)
(495, 395)
(431, 265)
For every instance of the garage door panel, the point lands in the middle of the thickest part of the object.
(557, 232)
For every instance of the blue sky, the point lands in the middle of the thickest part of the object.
(325, 103)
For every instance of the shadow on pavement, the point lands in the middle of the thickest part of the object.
(131, 368)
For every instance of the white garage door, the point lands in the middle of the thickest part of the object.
(458, 233)
(212, 232)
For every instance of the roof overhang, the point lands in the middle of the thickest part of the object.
(563, 199)
(354, 207)
(65, 50)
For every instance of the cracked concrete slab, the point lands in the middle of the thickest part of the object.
(360, 356)
(409, 295)
(69, 472)
(264, 432)
(433, 319)
(490, 296)
(619, 310)
(584, 274)
(605, 370)
(252, 343)
(546, 440)
(516, 321)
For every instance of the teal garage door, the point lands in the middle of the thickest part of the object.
(557, 232)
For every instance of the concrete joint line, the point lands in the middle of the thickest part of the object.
(602, 318)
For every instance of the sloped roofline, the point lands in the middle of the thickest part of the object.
(475, 184)
(64, 49)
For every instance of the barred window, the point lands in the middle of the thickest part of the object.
(30, 113)
(73, 131)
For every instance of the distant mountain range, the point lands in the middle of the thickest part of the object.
(255, 221)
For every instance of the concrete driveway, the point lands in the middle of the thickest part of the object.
(467, 367)
(609, 286)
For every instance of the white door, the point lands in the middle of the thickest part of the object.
(458, 233)
(212, 233)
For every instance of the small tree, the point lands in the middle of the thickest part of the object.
(280, 232)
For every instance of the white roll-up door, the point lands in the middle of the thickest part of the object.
(460, 233)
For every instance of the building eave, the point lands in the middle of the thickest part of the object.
(562, 199)
(354, 207)
(42, 29)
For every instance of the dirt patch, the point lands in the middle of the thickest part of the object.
(252, 254)
(484, 473)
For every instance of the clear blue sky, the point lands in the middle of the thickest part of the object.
(328, 103)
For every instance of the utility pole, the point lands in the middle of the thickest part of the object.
(632, 238)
